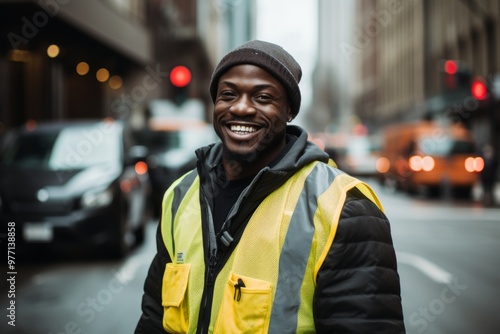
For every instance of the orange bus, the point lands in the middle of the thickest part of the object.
(425, 155)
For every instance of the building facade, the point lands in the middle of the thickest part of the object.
(68, 59)
(331, 106)
(400, 54)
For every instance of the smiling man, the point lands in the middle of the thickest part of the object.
(266, 235)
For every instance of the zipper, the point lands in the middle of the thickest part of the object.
(213, 266)
(205, 311)
(208, 291)
(240, 199)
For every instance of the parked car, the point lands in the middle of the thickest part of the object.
(171, 154)
(359, 157)
(74, 183)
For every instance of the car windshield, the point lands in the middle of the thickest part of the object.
(67, 149)
(360, 146)
(187, 139)
(158, 141)
(446, 146)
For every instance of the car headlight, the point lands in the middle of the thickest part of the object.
(97, 198)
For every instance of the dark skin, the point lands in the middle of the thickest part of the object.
(250, 114)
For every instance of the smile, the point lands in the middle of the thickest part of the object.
(241, 129)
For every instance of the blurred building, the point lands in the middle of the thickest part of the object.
(70, 59)
(331, 103)
(223, 25)
(63, 59)
(401, 48)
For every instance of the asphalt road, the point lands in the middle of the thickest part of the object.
(79, 293)
(448, 257)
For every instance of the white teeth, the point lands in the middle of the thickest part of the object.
(243, 129)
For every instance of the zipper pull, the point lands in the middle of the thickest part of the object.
(237, 289)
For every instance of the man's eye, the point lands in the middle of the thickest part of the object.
(227, 93)
(264, 98)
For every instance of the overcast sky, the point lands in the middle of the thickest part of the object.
(292, 24)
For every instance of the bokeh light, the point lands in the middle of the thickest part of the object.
(82, 68)
(102, 75)
(53, 51)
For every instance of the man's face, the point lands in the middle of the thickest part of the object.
(250, 114)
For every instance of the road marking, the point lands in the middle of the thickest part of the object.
(129, 269)
(428, 268)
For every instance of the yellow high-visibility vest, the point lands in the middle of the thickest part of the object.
(267, 285)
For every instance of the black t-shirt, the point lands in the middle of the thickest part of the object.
(226, 197)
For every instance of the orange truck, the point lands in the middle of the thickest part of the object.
(425, 155)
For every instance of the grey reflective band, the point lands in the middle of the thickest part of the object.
(179, 192)
(295, 252)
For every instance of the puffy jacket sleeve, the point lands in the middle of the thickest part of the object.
(358, 288)
(152, 310)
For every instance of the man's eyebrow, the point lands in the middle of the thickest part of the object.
(228, 83)
(233, 85)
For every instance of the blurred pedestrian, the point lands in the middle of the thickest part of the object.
(266, 236)
(489, 175)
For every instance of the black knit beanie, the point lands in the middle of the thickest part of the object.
(271, 57)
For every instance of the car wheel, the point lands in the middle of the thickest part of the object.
(146, 216)
(139, 235)
(464, 192)
(123, 238)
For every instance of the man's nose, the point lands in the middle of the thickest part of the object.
(243, 106)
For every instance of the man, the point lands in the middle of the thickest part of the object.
(488, 175)
(266, 236)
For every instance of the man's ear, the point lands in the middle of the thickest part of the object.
(289, 116)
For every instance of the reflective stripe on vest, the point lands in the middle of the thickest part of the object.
(277, 259)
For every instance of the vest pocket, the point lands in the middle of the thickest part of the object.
(246, 306)
(174, 297)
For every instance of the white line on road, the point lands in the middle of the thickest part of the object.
(128, 270)
(430, 269)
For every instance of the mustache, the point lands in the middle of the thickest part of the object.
(240, 119)
(253, 119)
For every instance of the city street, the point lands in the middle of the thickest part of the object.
(448, 263)
(103, 104)
(447, 254)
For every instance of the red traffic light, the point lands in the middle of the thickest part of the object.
(450, 67)
(180, 76)
(479, 89)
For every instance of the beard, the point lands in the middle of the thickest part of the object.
(240, 157)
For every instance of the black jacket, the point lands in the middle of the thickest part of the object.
(358, 289)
